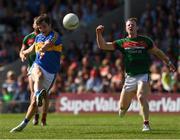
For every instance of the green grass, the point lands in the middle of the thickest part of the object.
(92, 126)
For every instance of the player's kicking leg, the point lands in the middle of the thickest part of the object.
(142, 93)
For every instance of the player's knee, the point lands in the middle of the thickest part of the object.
(141, 97)
(39, 74)
(123, 107)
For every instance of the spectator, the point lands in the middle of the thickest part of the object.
(21, 93)
(167, 79)
(9, 87)
(80, 82)
(94, 83)
(117, 80)
(155, 78)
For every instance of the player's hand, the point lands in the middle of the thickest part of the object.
(172, 68)
(41, 52)
(22, 56)
(100, 29)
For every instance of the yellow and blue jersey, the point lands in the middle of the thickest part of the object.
(51, 59)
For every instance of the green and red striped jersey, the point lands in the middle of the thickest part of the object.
(136, 56)
(28, 41)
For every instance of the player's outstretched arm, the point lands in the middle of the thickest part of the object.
(25, 53)
(160, 54)
(46, 45)
(102, 44)
(29, 50)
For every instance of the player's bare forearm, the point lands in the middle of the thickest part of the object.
(100, 41)
(45, 46)
(102, 44)
(161, 55)
(24, 53)
(29, 50)
(22, 49)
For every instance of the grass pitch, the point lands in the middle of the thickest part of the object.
(92, 126)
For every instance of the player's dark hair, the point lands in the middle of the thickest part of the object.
(43, 18)
(132, 19)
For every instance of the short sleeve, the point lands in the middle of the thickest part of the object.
(118, 44)
(149, 42)
(25, 40)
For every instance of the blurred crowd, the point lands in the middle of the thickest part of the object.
(84, 67)
(162, 24)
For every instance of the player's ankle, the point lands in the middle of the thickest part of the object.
(26, 121)
(36, 116)
(122, 112)
(146, 122)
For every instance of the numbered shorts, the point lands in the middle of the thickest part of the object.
(131, 82)
(48, 78)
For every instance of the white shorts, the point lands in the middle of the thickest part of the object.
(29, 69)
(48, 78)
(131, 82)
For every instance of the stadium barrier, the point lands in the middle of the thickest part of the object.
(108, 103)
(97, 103)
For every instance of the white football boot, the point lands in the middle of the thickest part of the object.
(146, 127)
(19, 128)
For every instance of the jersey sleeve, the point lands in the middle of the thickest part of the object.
(118, 44)
(25, 40)
(149, 42)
